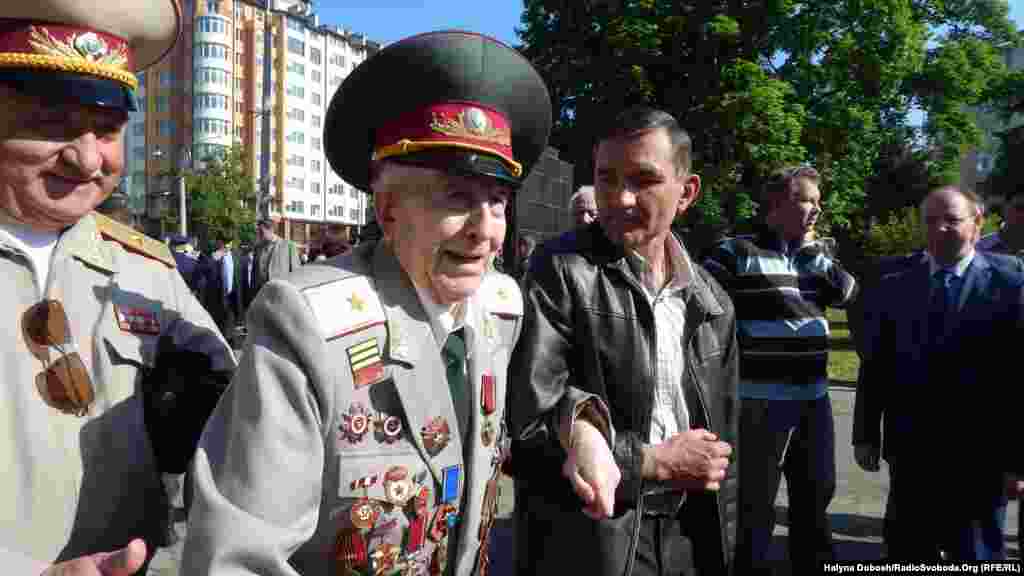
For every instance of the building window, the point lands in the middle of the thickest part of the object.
(297, 68)
(210, 102)
(315, 98)
(296, 91)
(296, 183)
(296, 206)
(212, 76)
(139, 153)
(294, 24)
(315, 142)
(296, 46)
(353, 214)
(353, 193)
(212, 24)
(315, 76)
(314, 187)
(314, 55)
(296, 160)
(315, 121)
(212, 127)
(139, 129)
(314, 165)
(336, 81)
(297, 114)
(314, 210)
(165, 128)
(337, 60)
(296, 138)
(207, 50)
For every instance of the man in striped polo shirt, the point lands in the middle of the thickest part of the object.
(781, 280)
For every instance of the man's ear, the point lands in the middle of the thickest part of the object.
(689, 194)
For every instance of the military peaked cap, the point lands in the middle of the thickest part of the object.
(452, 100)
(89, 50)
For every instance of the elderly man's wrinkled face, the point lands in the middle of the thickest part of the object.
(953, 225)
(444, 228)
(58, 160)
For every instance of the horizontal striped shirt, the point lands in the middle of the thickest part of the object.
(780, 294)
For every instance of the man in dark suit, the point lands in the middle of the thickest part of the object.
(931, 377)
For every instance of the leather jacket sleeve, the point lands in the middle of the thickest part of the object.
(546, 398)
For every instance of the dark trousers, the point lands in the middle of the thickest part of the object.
(921, 522)
(795, 438)
(663, 549)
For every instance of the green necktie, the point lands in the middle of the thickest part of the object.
(454, 356)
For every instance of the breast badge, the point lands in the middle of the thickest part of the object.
(364, 514)
(350, 552)
(355, 423)
(384, 558)
(389, 428)
(398, 486)
(436, 435)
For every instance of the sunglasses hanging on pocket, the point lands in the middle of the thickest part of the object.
(65, 383)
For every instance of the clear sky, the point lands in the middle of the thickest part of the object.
(386, 21)
(389, 20)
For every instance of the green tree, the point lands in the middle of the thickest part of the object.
(222, 196)
(764, 84)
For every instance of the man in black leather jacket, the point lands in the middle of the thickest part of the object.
(624, 332)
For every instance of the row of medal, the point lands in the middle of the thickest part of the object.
(362, 546)
(357, 422)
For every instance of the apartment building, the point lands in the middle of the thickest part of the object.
(208, 95)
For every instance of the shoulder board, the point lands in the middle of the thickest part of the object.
(500, 295)
(345, 306)
(133, 240)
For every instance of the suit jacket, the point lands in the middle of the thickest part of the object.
(925, 395)
(330, 442)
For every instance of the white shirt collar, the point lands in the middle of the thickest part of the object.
(958, 269)
(678, 261)
(443, 320)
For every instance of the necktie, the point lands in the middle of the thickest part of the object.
(454, 356)
(942, 304)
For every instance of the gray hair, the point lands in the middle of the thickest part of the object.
(582, 190)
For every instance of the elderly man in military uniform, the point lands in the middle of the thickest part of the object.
(363, 432)
(98, 321)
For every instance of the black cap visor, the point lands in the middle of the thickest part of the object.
(55, 86)
(465, 163)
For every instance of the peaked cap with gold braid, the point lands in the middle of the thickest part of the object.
(451, 100)
(89, 50)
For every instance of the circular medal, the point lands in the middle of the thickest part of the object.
(364, 514)
(359, 424)
(487, 433)
(392, 429)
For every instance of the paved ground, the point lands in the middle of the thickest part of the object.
(856, 511)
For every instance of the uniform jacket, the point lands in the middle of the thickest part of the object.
(274, 259)
(328, 448)
(72, 485)
(589, 331)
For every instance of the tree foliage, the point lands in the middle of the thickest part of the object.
(764, 83)
(222, 196)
